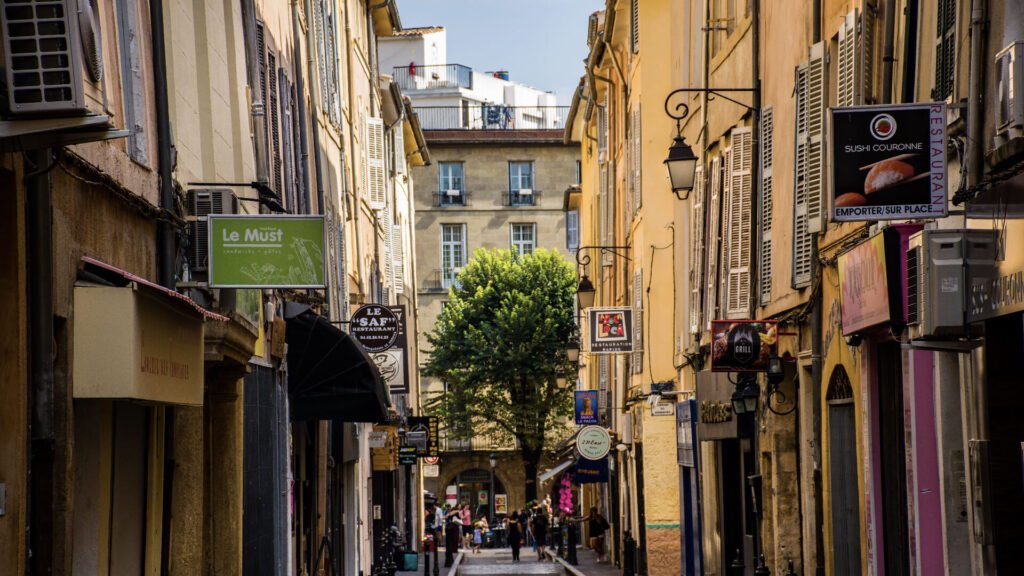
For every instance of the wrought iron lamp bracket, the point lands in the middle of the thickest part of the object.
(680, 111)
(583, 259)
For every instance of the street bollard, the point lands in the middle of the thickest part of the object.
(437, 538)
(572, 544)
(628, 555)
(426, 555)
(737, 568)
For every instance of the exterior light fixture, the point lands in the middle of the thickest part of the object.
(682, 165)
(585, 292)
(493, 460)
(745, 397)
(572, 349)
(561, 380)
(775, 374)
(775, 371)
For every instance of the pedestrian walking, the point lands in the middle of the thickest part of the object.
(478, 537)
(515, 534)
(597, 525)
(540, 532)
(467, 525)
(453, 536)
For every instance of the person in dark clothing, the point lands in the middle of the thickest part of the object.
(540, 532)
(453, 535)
(596, 527)
(515, 534)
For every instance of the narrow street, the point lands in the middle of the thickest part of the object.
(498, 562)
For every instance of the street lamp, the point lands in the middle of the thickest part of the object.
(681, 164)
(572, 349)
(744, 400)
(492, 459)
(585, 292)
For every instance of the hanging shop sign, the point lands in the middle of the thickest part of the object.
(407, 455)
(375, 327)
(266, 251)
(593, 442)
(422, 434)
(686, 430)
(391, 363)
(715, 420)
(999, 292)
(431, 470)
(889, 162)
(591, 471)
(431, 460)
(586, 406)
(611, 330)
(743, 345)
(869, 281)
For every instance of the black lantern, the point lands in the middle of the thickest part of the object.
(681, 164)
(572, 349)
(492, 460)
(561, 380)
(585, 292)
(775, 372)
(751, 395)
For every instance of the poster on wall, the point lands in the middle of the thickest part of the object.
(743, 345)
(586, 406)
(501, 504)
(889, 162)
(611, 330)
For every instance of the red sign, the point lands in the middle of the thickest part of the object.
(743, 345)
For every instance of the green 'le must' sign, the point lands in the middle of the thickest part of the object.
(266, 251)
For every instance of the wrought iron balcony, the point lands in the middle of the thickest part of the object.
(492, 117)
(479, 443)
(416, 77)
(522, 198)
(445, 198)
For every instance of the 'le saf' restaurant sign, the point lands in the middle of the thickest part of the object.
(266, 251)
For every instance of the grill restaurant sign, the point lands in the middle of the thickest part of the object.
(889, 162)
(266, 251)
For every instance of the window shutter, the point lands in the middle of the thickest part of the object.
(398, 257)
(400, 166)
(866, 43)
(712, 242)
(945, 49)
(847, 61)
(638, 321)
(740, 208)
(637, 160)
(809, 164)
(609, 198)
(330, 223)
(602, 204)
(696, 249)
(603, 377)
(767, 155)
(273, 114)
(602, 133)
(375, 171)
(389, 245)
(342, 258)
(634, 20)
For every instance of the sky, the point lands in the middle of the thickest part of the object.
(541, 43)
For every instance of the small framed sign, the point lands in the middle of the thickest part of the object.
(611, 330)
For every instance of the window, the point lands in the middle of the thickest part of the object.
(945, 49)
(450, 183)
(520, 183)
(327, 58)
(572, 230)
(524, 238)
(579, 173)
(453, 252)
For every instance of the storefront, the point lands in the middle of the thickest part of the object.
(689, 487)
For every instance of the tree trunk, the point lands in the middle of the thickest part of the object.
(531, 461)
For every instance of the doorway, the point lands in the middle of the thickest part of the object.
(477, 488)
(892, 457)
(842, 449)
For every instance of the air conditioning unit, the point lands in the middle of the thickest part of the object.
(1010, 92)
(941, 267)
(53, 53)
(451, 193)
(202, 203)
(525, 192)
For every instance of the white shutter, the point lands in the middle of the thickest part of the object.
(847, 61)
(712, 242)
(607, 259)
(637, 158)
(375, 169)
(809, 164)
(740, 206)
(389, 245)
(398, 258)
(638, 321)
(400, 150)
(696, 249)
(602, 132)
(767, 156)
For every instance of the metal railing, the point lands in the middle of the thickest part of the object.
(517, 198)
(479, 443)
(416, 77)
(492, 117)
(449, 198)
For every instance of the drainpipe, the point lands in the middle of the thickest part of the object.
(40, 394)
(166, 249)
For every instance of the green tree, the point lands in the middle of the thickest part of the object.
(499, 344)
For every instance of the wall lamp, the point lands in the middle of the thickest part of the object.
(585, 292)
(682, 162)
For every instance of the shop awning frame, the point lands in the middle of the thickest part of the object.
(552, 472)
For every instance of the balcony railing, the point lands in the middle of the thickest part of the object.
(451, 198)
(438, 282)
(479, 443)
(522, 198)
(492, 117)
(416, 77)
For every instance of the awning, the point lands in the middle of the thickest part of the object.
(553, 471)
(330, 376)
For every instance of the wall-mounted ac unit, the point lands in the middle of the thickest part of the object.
(1010, 92)
(53, 52)
(941, 265)
(202, 203)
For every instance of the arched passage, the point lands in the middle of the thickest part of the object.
(842, 450)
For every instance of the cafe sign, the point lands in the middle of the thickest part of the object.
(375, 327)
(266, 251)
(593, 442)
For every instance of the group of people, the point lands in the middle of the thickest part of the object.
(529, 526)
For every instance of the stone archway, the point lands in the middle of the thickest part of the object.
(509, 472)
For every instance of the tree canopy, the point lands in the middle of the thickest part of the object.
(499, 344)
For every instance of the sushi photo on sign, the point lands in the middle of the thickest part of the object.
(889, 162)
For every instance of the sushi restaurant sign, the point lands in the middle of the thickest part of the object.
(266, 251)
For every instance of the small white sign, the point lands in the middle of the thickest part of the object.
(378, 439)
(661, 408)
(431, 470)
